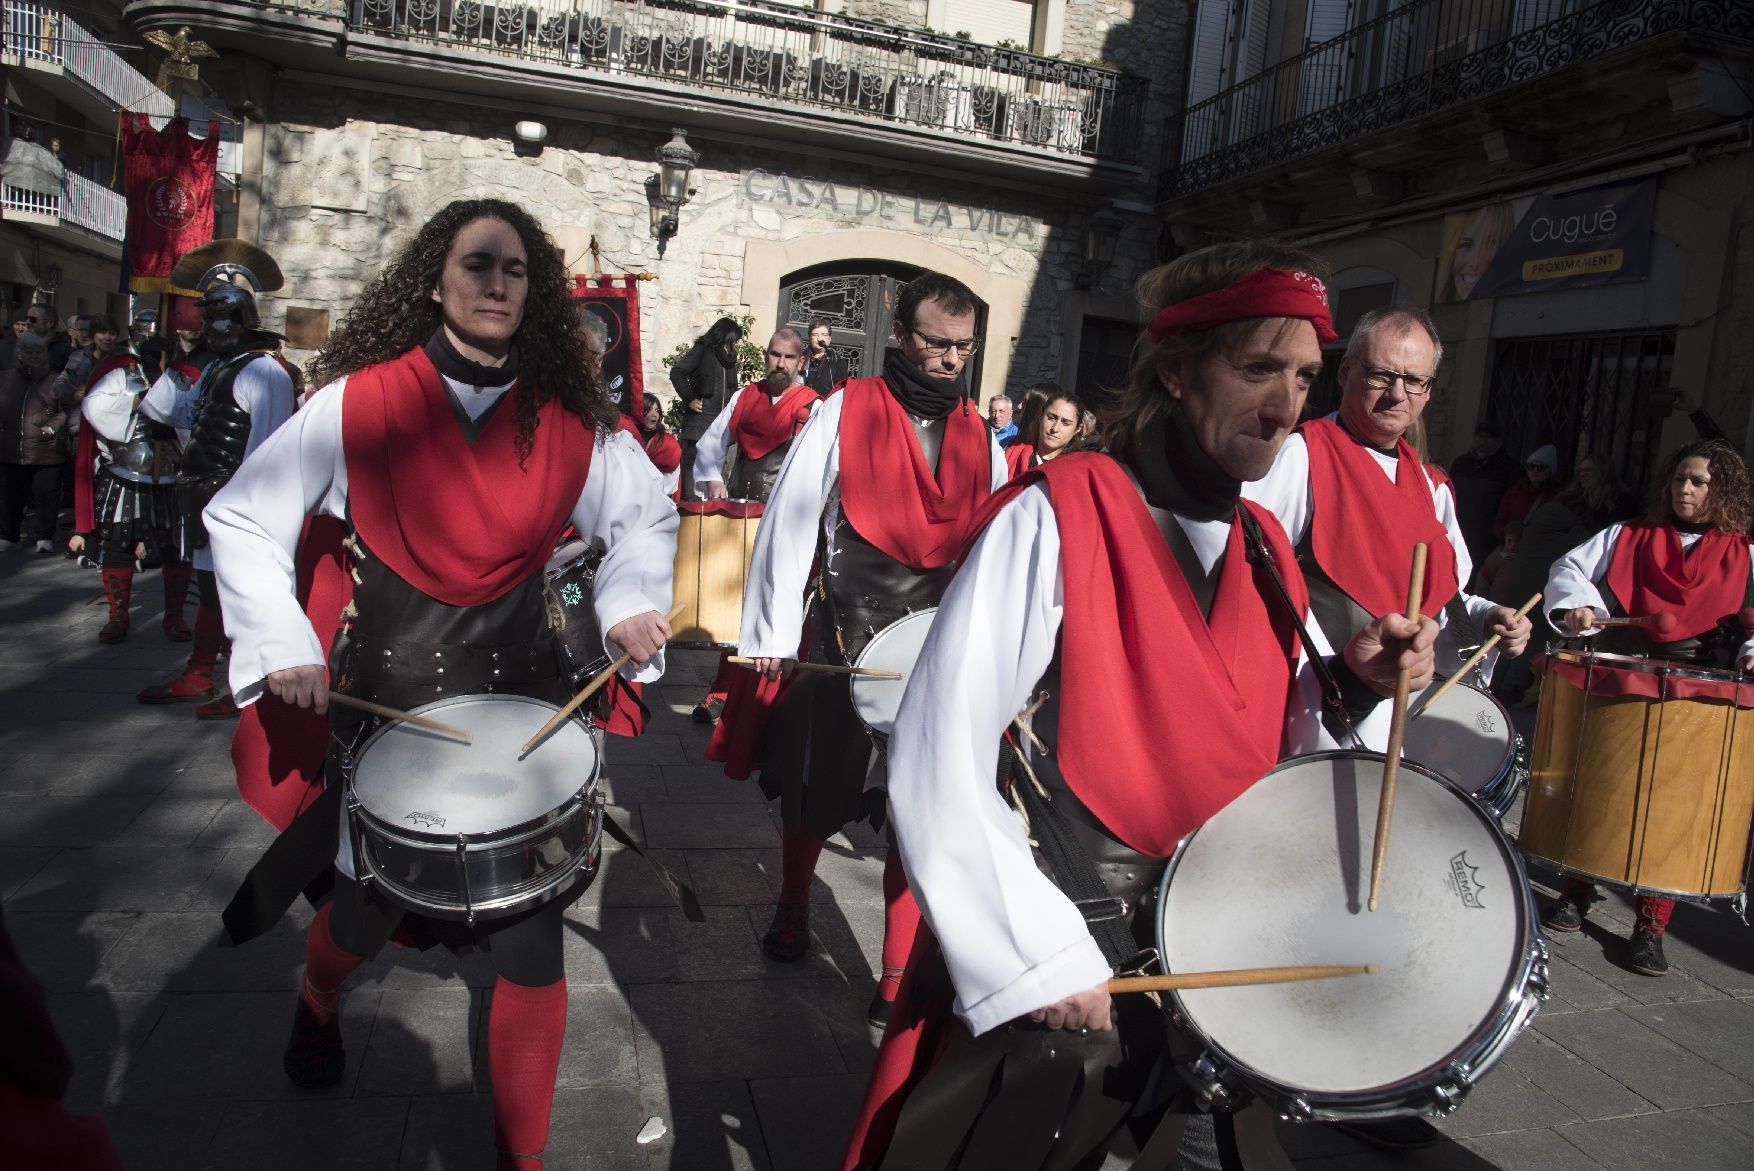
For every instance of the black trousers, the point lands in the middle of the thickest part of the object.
(526, 949)
(37, 483)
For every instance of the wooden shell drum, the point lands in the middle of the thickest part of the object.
(1280, 875)
(479, 830)
(1642, 775)
(714, 543)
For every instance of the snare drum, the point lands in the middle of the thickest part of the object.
(714, 543)
(478, 830)
(894, 648)
(572, 576)
(1280, 876)
(1466, 737)
(1642, 775)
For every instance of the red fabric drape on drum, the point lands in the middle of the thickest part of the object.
(759, 423)
(1650, 572)
(1363, 527)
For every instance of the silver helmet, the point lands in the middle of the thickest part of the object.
(225, 276)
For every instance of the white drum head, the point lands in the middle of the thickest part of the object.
(1465, 737)
(427, 782)
(1280, 876)
(894, 648)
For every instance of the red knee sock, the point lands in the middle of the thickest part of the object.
(526, 1028)
(798, 855)
(901, 922)
(326, 966)
(1653, 914)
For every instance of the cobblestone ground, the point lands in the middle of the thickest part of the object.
(121, 837)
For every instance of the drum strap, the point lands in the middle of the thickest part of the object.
(1343, 702)
(679, 890)
(1073, 872)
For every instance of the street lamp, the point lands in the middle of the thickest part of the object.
(1102, 232)
(669, 189)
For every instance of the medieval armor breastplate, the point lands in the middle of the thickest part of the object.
(405, 648)
(221, 433)
(863, 588)
(150, 454)
(753, 479)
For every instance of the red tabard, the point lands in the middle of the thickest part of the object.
(1019, 458)
(1649, 572)
(887, 488)
(759, 423)
(1166, 715)
(461, 522)
(1363, 528)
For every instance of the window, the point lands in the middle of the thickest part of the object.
(992, 21)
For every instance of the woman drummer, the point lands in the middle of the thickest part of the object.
(459, 430)
(1048, 432)
(1688, 557)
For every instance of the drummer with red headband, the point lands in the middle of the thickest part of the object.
(1158, 664)
(1687, 565)
(1355, 498)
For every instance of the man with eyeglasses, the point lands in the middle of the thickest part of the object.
(1355, 499)
(881, 517)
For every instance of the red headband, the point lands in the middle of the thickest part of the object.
(1266, 292)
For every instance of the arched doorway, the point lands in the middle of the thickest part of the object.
(858, 299)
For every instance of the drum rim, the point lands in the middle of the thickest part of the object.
(1465, 1062)
(929, 614)
(1647, 665)
(350, 790)
(525, 897)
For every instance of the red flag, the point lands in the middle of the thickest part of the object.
(170, 196)
(615, 300)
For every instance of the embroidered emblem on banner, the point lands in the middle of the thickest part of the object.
(1464, 879)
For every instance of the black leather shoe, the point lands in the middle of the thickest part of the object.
(314, 1058)
(708, 710)
(1564, 916)
(1647, 954)
(788, 936)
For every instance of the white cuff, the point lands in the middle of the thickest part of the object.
(1079, 968)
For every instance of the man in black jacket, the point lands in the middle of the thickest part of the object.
(823, 368)
(1481, 475)
(705, 378)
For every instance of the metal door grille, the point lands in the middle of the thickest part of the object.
(858, 299)
(1598, 394)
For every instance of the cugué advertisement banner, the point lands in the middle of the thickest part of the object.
(1599, 236)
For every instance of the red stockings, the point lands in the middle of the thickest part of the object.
(526, 1028)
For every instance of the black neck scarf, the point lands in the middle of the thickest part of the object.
(453, 365)
(1177, 475)
(919, 393)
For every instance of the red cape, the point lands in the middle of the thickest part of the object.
(1649, 572)
(85, 453)
(1134, 651)
(1020, 458)
(889, 491)
(759, 423)
(666, 455)
(461, 522)
(1363, 528)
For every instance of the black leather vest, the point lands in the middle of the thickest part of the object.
(222, 428)
(862, 588)
(752, 479)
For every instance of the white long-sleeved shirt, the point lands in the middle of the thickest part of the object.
(262, 388)
(109, 406)
(805, 501)
(1288, 493)
(1012, 940)
(1574, 582)
(255, 521)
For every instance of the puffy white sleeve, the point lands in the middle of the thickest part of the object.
(1012, 940)
(1001, 472)
(710, 448)
(1571, 582)
(171, 400)
(253, 526)
(109, 406)
(625, 509)
(785, 541)
(264, 389)
(1284, 490)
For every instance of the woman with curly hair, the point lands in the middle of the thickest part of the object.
(1688, 556)
(459, 429)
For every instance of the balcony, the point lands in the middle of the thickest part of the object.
(37, 37)
(84, 214)
(1401, 90)
(769, 70)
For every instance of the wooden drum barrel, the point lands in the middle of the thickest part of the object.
(714, 543)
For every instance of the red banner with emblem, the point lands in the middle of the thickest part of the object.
(170, 196)
(614, 299)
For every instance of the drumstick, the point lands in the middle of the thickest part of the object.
(1474, 658)
(1236, 977)
(825, 668)
(390, 713)
(1391, 765)
(1662, 622)
(591, 688)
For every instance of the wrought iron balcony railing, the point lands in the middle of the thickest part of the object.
(1424, 57)
(36, 31)
(81, 202)
(775, 53)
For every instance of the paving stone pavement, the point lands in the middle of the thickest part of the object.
(121, 837)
